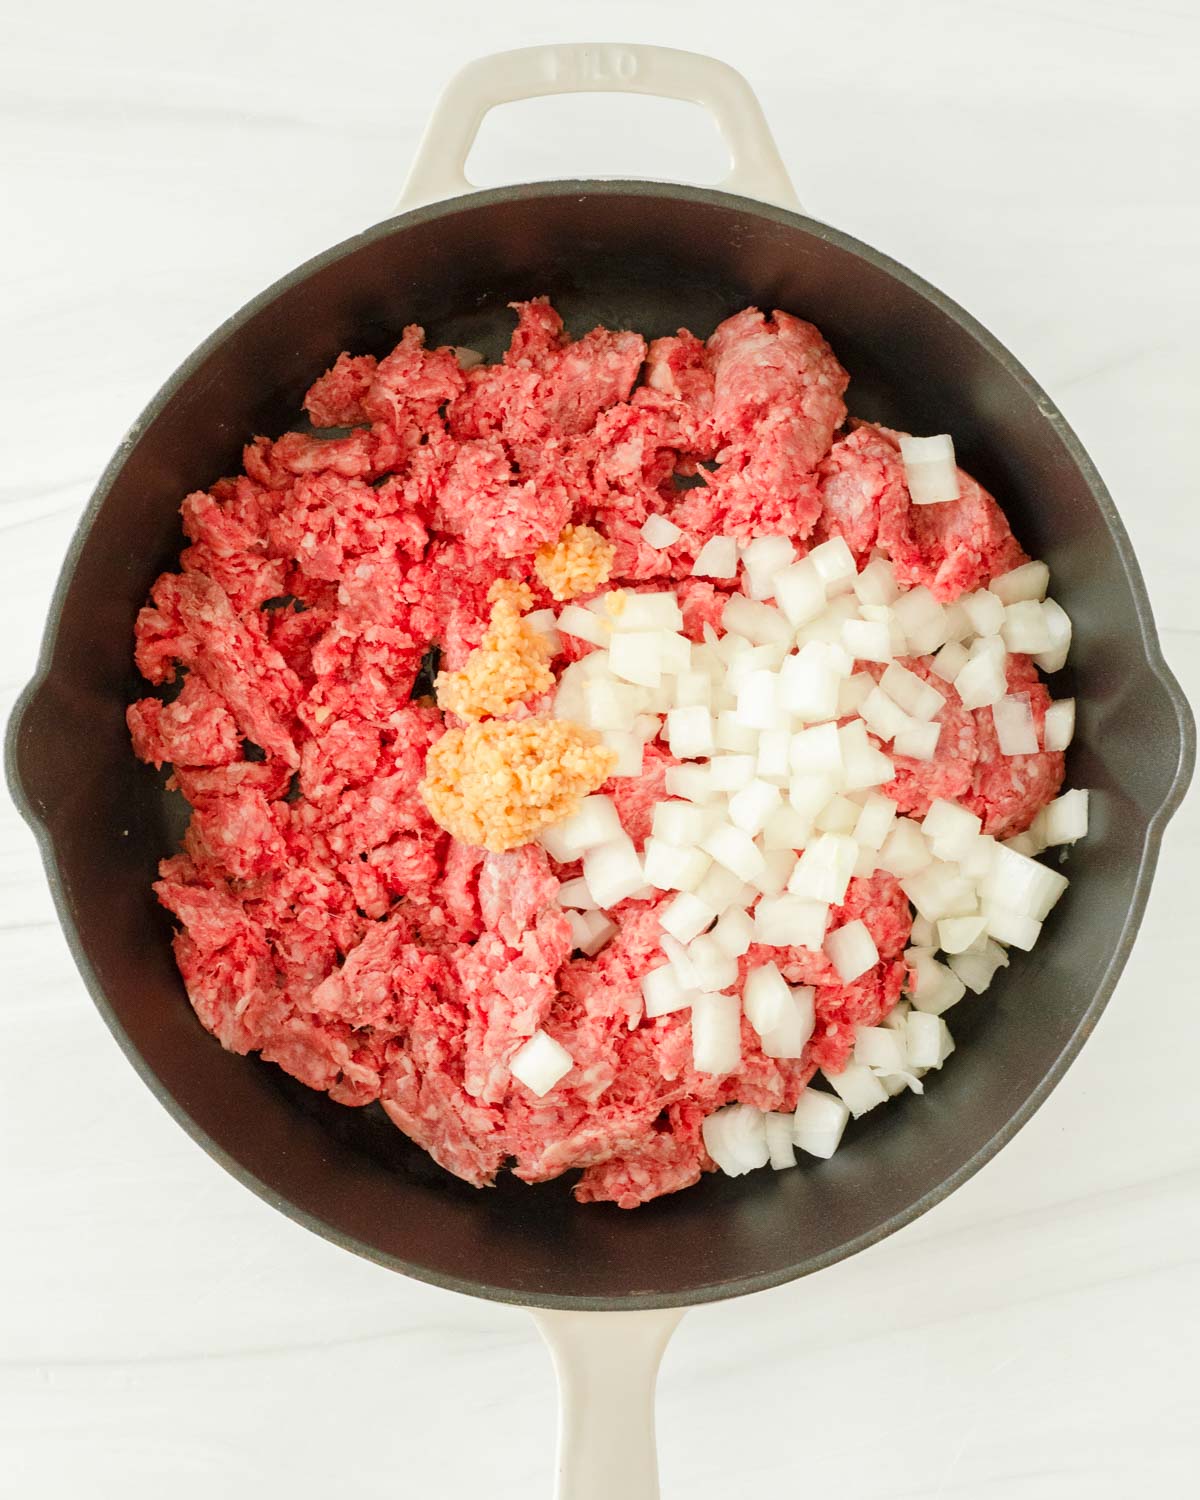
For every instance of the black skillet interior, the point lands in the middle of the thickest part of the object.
(652, 258)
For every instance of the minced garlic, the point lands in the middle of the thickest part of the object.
(497, 785)
(510, 664)
(579, 562)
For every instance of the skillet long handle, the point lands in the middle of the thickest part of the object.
(607, 1366)
(439, 170)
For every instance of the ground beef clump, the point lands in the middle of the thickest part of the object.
(360, 715)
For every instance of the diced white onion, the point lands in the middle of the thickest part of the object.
(716, 1034)
(918, 741)
(663, 992)
(758, 704)
(687, 917)
(766, 998)
(858, 1088)
(929, 469)
(818, 1123)
(883, 715)
(1065, 819)
(658, 532)
(933, 988)
(1016, 929)
(824, 869)
(816, 749)
(680, 823)
(751, 808)
(905, 850)
(762, 559)
(733, 735)
(1054, 659)
(950, 660)
(1016, 881)
(976, 970)
(867, 640)
(690, 732)
(758, 622)
(958, 934)
(875, 821)
(800, 593)
(734, 931)
(575, 893)
(985, 612)
(582, 623)
(734, 849)
(1016, 733)
(780, 1147)
(1059, 728)
(880, 1048)
(915, 696)
(736, 1139)
(540, 1063)
(613, 871)
(950, 829)
(1029, 581)
(851, 950)
(671, 867)
(650, 611)
(927, 1040)
(834, 563)
(839, 815)
(790, 1037)
(714, 969)
(876, 584)
(718, 558)
(773, 750)
(788, 921)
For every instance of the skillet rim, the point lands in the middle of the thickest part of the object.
(1150, 648)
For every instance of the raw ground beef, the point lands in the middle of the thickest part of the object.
(325, 921)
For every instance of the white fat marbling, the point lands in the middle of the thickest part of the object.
(162, 1332)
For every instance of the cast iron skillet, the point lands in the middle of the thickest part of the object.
(652, 257)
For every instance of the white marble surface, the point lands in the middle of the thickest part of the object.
(164, 1333)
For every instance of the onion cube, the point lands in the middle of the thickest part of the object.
(867, 640)
(823, 871)
(1027, 627)
(905, 850)
(774, 746)
(778, 865)
(940, 890)
(1058, 730)
(839, 815)
(984, 610)
(609, 704)
(788, 921)
(687, 917)
(976, 970)
(690, 732)
(716, 1033)
(883, 715)
(1054, 659)
(800, 593)
(923, 620)
(752, 806)
(757, 701)
(932, 987)
(658, 532)
(590, 930)
(975, 860)
(680, 823)
(851, 950)
(642, 612)
(721, 889)
(1015, 731)
(736, 1138)
(950, 661)
(734, 931)
(758, 622)
(876, 584)
(692, 690)
(1016, 929)
(808, 686)
(957, 934)
(765, 998)
(613, 871)
(818, 1123)
(915, 696)
(746, 663)
(582, 623)
(853, 692)
(630, 751)
(790, 1037)
(787, 829)
(880, 1048)
(1029, 581)
(1016, 881)
(950, 829)
(734, 849)
(816, 749)
(594, 822)
(713, 967)
(575, 893)
(781, 1151)
(762, 559)
(808, 793)
(663, 992)
(929, 468)
(875, 821)
(730, 773)
(540, 1063)
(694, 783)
(732, 734)
(636, 656)
(924, 1040)
(718, 558)
(670, 867)
(544, 622)
(918, 741)
(1065, 819)
(857, 1087)
(862, 764)
(834, 563)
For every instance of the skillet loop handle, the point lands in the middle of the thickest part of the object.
(439, 170)
(607, 1366)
